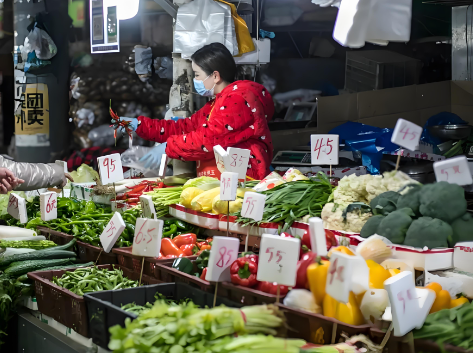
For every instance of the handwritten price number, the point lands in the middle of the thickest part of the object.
(234, 160)
(13, 201)
(250, 203)
(221, 261)
(405, 131)
(401, 298)
(142, 237)
(109, 163)
(456, 170)
(226, 184)
(50, 205)
(338, 270)
(320, 144)
(278, 254)
(111, 229)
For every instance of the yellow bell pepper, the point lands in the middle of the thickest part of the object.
(457, 302)
(442, 297)
(329, 306)
(317, 277)
(348, 313)
(342, 249)
(378, 274)
(394, 271)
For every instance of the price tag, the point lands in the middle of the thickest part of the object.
(228, 186)
(463, 256)
(253, 205)
(237, 161)
(222, 255)
(278, 259)
(409, 305)
(147, 206)
(317, 236)
(111, 232)
(406, 134)
(163, 166)
(346, 274)
(324, 149)
(147, 241)
(110, 168)
(119, 206)
(62, 164)
(220, 156)
(454, 171)
(17, 208)
(48, 206)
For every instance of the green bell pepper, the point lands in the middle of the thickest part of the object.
(184, 265)
(202, 260)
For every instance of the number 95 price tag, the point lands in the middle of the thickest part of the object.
(223, 253)
(253, 205)
(110, 168)
(278, 259)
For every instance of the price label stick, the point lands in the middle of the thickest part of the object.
(228, 218)
(247, 236)
(386, 336)
(98, 257)
(142, 267)
(334, 332)
(228, 190)
(399, 154)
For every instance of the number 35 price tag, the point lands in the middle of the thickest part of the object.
(278, 259)
(110, 168)
(111, 232)
(48, 206)
(147, 241)
(406, 134)
(223, 253)
(253, 205)
(324, 149)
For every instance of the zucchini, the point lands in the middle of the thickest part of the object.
(37, 255)
(62, 247)
(34, 265)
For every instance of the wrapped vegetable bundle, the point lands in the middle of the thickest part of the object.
(203, 202)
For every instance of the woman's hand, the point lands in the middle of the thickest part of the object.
(153, 158)
(133, 124)
(8, 181)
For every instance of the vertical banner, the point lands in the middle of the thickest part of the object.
(32, 124)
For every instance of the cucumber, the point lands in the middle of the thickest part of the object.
(37, 255)
(61, 247)
(34, 265)
(24, 277)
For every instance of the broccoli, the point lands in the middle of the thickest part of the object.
(371, 226)
(384, 203)
(430, 232)
(411, 199)
(442, 200)
(462, 230)
(394, 226)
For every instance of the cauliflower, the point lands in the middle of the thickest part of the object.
(332, 216)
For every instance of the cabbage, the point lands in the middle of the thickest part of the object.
(84, 174)
(204, 183)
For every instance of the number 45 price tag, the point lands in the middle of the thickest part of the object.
(324, 149)
(147, 241)
(278, 259)
(111, 232)
(223, 253)
(406, 134)
(409, 305)
(253, 205)
(110, 168)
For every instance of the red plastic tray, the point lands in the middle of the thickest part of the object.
(246, 296)
(59, 238)
(165, 273)
(89, 253)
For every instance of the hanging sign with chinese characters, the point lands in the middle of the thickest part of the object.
(32, 126)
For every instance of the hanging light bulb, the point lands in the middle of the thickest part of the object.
(126, 9)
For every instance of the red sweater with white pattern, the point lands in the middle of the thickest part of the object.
(237, 117)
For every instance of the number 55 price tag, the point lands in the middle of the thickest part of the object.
(406, 134)
(110, 168)
(111, 232)
(147, 241)
(278, 259)
(253, 205)
(223, 253)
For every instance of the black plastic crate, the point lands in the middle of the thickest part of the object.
(104, 308)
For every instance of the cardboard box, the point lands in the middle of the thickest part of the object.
(382, 108)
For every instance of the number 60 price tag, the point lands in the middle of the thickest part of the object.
(278, 259)
(223, 253)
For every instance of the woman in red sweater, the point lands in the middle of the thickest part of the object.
(236, 117)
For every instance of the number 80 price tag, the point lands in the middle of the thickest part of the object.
(253, 206)
(223, 253)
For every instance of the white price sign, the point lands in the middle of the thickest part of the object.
(324, 149)
(147, 206)
(253, 205)
(346, 274)
(318, 242)
(406, 134)
(63, 165)
(228, 186)
(48, 206)
(163, 166)
(278, 259)
(222, 255)
(111, 232)
(110, 168)
(454, 171)
(148, 233)
(220, 155)
(409, 305)
(17, 208)
(233, 160)
(463, 256)
(119, 206)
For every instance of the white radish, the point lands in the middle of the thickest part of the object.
(15, 232)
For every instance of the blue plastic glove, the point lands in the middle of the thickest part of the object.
(153, 157)
(133, 124)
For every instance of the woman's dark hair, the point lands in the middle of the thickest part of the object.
(216, 57)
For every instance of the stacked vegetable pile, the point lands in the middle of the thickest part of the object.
(185, 244)
(132, 197)
(433, 215)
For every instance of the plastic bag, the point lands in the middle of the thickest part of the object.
(243, 37)
(131, 159)
(42, 44)
(102, 136)
(143, 60)
(163, 67)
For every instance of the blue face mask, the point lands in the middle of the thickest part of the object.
(200, 88)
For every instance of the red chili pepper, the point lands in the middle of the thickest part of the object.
(272, 288)
(185, 239)
(200, 244)
(139, 188)
(121, 197)
(133, 203)
(243, 272)
(209, 240)
(133, 194)
(160, 185)
(286, 235)
(133, 200)
(301, 272)
(169, 248)
(205, 247)
(187, 249)
(204, 273)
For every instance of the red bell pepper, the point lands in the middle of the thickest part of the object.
(272, 288)
(169, 248)
(204, 273)
(286, 235)
(205, 247)
(188, 249)
(250, 256)
(330, 239)
(185, 239)
(301, 272)
(243, 272)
